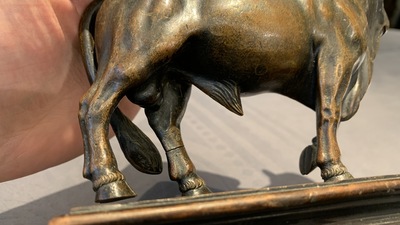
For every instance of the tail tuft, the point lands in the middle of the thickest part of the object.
(138, 149)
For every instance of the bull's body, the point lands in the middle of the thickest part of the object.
(318, 52)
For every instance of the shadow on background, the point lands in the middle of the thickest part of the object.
(146, 186)
(284, 179)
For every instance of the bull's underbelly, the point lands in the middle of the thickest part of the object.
(250, 44)
(257, 63)
(279, 67)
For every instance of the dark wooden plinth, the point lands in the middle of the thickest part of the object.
(374, 200)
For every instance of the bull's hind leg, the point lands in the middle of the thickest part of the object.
(335, 63)
(165, 120)
(100, 165)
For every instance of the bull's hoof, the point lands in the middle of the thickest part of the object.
(341, 177)
(114, 191)
(197, 191)
(308, 160)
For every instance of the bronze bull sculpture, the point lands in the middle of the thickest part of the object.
(317, 52)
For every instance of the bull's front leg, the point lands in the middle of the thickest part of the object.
(328, 153)
(335, 64)
(165, 120)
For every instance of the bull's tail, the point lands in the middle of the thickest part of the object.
(138, 149)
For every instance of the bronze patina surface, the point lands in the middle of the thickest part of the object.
(362, 201)
(317, 52)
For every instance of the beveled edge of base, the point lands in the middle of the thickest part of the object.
(265, 200)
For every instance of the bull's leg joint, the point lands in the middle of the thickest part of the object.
(190, 183)
(175, 148)
(107, 179)
(335, 173)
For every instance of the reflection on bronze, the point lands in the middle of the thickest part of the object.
(319, 53)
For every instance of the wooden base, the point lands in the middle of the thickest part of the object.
(373, 200)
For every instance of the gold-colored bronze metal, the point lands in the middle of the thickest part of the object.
(317, 52)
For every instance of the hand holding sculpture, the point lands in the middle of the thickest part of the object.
(42, 79)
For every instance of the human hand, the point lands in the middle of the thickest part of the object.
(42, 79)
